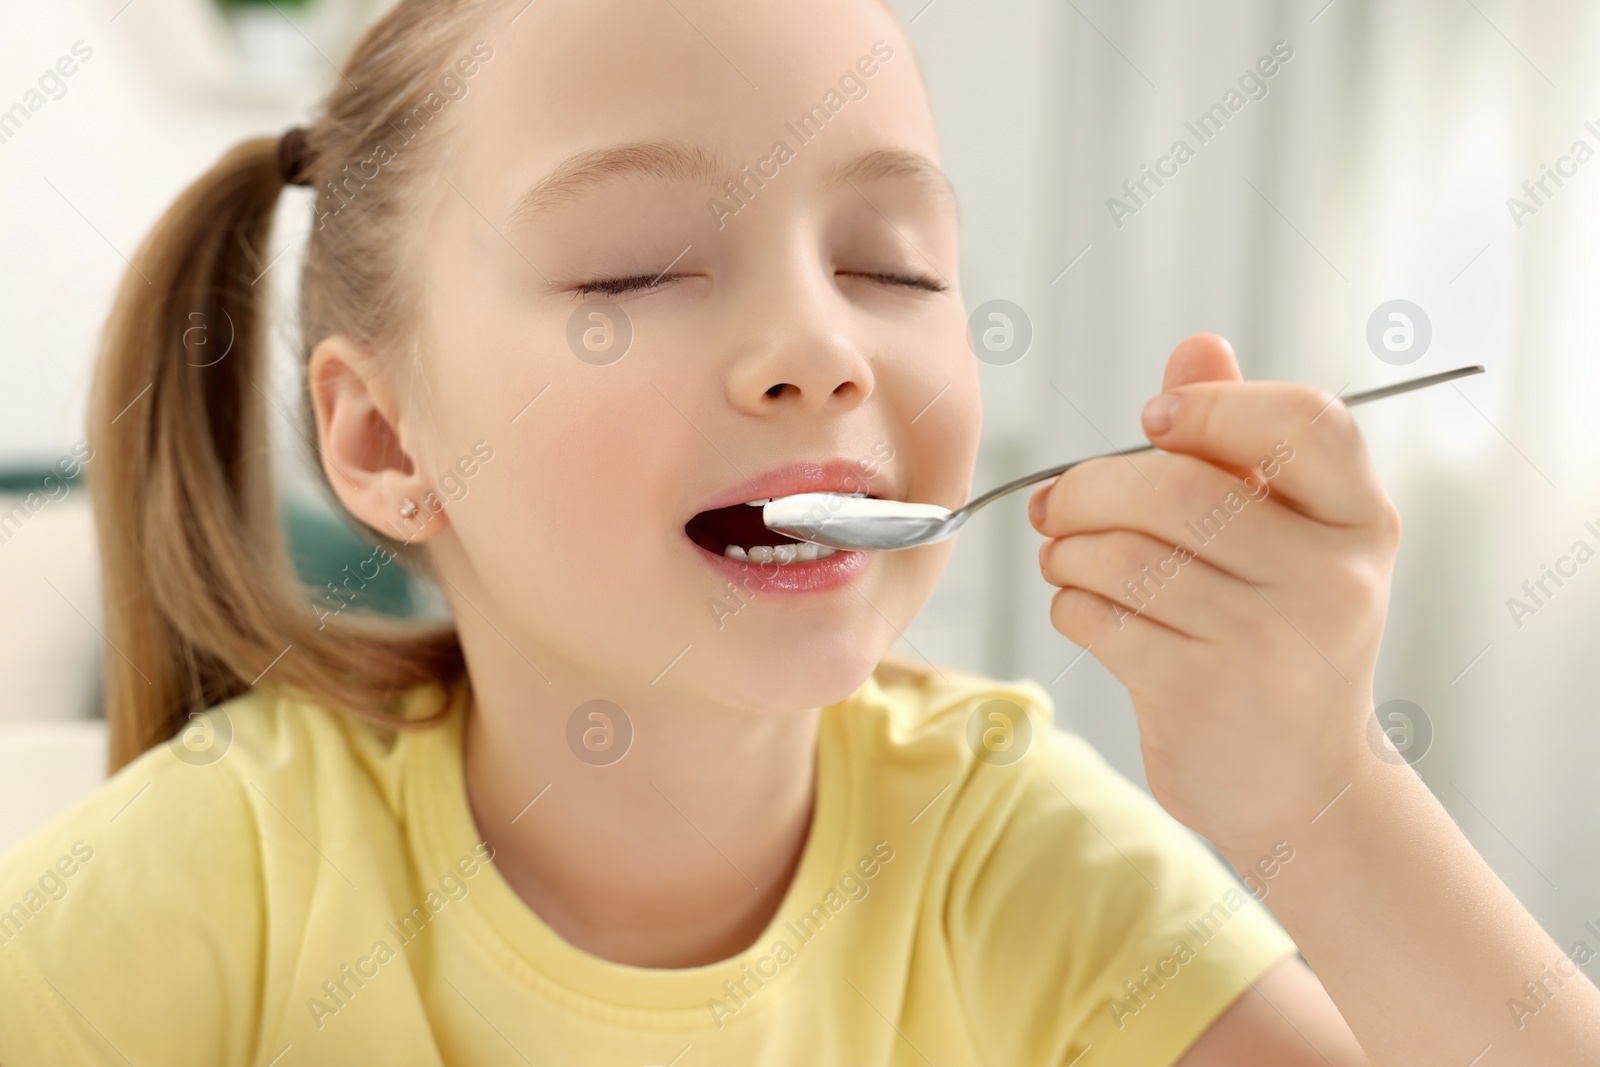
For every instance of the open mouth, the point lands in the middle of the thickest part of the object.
(738, 533)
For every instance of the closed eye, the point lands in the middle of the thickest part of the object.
(909, 281)
(617, 286)
(649, 282)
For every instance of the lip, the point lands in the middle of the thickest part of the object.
(834, 475)
(815, 476)
(810, 576)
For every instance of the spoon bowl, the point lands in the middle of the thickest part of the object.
(860, 523)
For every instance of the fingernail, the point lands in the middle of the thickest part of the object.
(1036, 507)
(1158, 414)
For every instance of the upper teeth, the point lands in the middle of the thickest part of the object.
(800, 553)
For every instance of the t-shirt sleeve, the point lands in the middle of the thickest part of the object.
(1094, 928)
(130, 924)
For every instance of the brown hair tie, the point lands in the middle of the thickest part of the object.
(294, 156)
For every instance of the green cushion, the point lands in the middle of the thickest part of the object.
(27, 478)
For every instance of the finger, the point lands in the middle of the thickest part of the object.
(1297, 435)
(1141, 575)
(1131, 647)
(1202, 357)
(1234, 525)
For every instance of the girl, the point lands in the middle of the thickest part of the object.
(596, 276)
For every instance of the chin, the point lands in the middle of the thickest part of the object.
(786, 677)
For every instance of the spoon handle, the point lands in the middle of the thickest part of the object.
(1349, 401)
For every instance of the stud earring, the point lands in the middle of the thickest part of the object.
(408, 508)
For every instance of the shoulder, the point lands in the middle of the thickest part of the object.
(1033, 789)
(1058, 886)
(907, 700)
(209, 791)
(146, 903)
(148, 885)
(282, 752)
(1014, 770)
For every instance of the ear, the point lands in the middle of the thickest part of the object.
(361, 444)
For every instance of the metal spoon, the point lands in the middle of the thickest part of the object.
(864, 523)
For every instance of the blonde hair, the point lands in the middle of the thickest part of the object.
(201, 603)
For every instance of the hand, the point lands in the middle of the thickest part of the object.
(1236, 582)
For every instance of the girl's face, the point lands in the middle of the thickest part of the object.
(688, 255)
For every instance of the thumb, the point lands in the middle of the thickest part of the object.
(1201, 357)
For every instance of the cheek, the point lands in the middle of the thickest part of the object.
(568, 464)
(581, 543)
(586, 487)
(943, 441)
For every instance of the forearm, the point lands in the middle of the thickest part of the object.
(1424, 950)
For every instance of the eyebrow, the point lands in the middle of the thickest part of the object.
(672, 161)
(894, 163)
(651, 159)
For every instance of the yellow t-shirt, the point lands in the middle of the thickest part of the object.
(320, 895)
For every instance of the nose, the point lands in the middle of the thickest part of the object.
(802, 360)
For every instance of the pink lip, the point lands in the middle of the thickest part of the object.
(812, 576)
(822, 476)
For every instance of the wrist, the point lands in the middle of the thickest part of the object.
(1295, 797)
(1352, 799)
(1367, 824)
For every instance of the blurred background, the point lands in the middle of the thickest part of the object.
(1357, 217)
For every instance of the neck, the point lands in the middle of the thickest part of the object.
(675, 855)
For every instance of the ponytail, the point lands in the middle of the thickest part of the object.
(201, 603)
